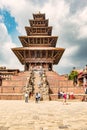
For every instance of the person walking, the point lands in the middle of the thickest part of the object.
(36, 97)
(26, 97)
(64, 98)
(39, 96)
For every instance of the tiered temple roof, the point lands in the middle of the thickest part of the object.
(39, 47)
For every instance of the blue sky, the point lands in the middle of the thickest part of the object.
(10, 24)
(69, 21)
(9, 21)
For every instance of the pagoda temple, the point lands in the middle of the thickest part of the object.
(38, 54)
(38, 49)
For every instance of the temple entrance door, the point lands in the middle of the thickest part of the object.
(38, 66)
(0, 81)
(50, 67)
(26, 67)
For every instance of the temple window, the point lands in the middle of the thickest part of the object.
(43, 54)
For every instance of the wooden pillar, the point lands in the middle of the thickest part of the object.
(33, 40)
(46, 54)
(25, 66)
(48, 40)
(52, 54)
(52, 66)
(35, 54)
(30, 68)
(41, 54)
(36, 30)
(24, 61)
(29, 54)
(24, 55)
(40, 40)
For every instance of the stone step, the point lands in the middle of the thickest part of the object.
(11, 89)
(37, 80)
(11, 96)
(14, 83)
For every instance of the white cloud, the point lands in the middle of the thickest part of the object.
(71, 50)
(56, 11)
(1, 18)
(82, 32)
(79, 19)
(4, 34)
(8, 58)
(66, 60)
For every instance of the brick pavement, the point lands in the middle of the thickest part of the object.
(46, 115)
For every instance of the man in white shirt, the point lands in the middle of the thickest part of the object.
(26, 97)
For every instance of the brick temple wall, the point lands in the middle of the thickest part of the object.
(12, 89)
(61, 83)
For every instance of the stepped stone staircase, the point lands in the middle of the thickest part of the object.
(48, 84)
(37, 82)
(33, 85)
(39, 85)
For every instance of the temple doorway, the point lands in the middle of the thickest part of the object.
(0, 81)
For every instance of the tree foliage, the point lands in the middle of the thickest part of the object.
(72, 75)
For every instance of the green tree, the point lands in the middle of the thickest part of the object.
(73, 74)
